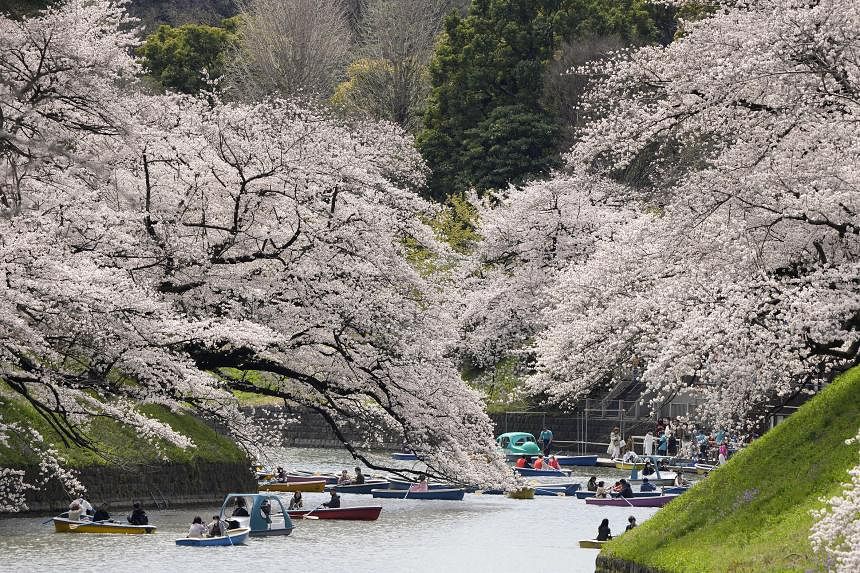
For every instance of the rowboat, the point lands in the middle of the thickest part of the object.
(605, 462)
(264, 514)
(661, 478)
(65, 525)
(675, 489)
(308, 486)
(704, 468)
(450, 494)
(531, 472)
(576, 460)
(403, 484)
(295, 478)
(588, 494)
(234, 537)
(404, 456)
(359, 513)
(559, 490)
(591, 543)
(630, 465)
(365, 487)
(655, 501)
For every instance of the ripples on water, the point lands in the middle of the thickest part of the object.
(480, 534)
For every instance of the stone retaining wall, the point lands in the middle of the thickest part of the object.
(160, 485)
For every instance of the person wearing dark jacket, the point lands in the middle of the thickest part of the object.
(101, 513)
(647, 485)
(138, 516)
(603, 532)
(359, 477)
(626, 490)
(334, 502)
(592, 484)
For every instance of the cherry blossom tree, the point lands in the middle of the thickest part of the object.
(165, 249)
(736, 272)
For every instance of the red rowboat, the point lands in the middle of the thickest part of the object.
(361, 513)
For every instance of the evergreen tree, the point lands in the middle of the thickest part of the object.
(485, 125)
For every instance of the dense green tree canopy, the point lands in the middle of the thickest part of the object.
(178, 56)
(487, 123)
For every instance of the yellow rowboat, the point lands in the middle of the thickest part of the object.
(308, 486)
(591, 543)
(630, 465)
(63, 525)
(522, 493)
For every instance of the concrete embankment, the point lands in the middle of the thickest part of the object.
(613, 565)
(155, 486)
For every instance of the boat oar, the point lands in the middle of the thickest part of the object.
(308, 514)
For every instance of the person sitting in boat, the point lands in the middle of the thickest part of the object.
(217, 527)
(86, 507)
(138, 515)
(74, 511)
(359, 477)
(592, 484)
(603, 532)
(647, 485)
(521, 462)
(344, 479)
(629, 456)
(680, 481)
(648, 469)
(553, 463)
(600, 492)
(280, 474)
(266, 511)
(102, 513)
(334, 502)
(538, 463)
(616, 488)
(296, 501)
(197, 528)
(421, 486)
(626, 490)
(241, 509)
(631, 523)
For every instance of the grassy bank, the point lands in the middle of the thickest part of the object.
(754, 513)
(117, 442)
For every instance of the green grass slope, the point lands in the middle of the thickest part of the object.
(753, 514)
(118, 442)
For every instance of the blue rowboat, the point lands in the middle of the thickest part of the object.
(234, 537)
(404, 456)
(452, 494)
(402, 484)
(576, 460)
(587, 494)
(531, 472)
(365, 487)
(675, 489)
(558, 490)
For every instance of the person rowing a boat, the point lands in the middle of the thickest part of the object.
(553, 464)
(197, 528)
(344, 479)
(102, 513)
(334, 502)
(218, 527)
(359, 477)
(600, 492)
(626, 490)
(138, 515)
(296, 501)
(421, 486)
(538, 463)
(603, 531)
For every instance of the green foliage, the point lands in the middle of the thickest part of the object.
(487, 123)
(484, 110)
(754, 513)
(115, 442)
(177, 56)
(456, 224)
(501, 385)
